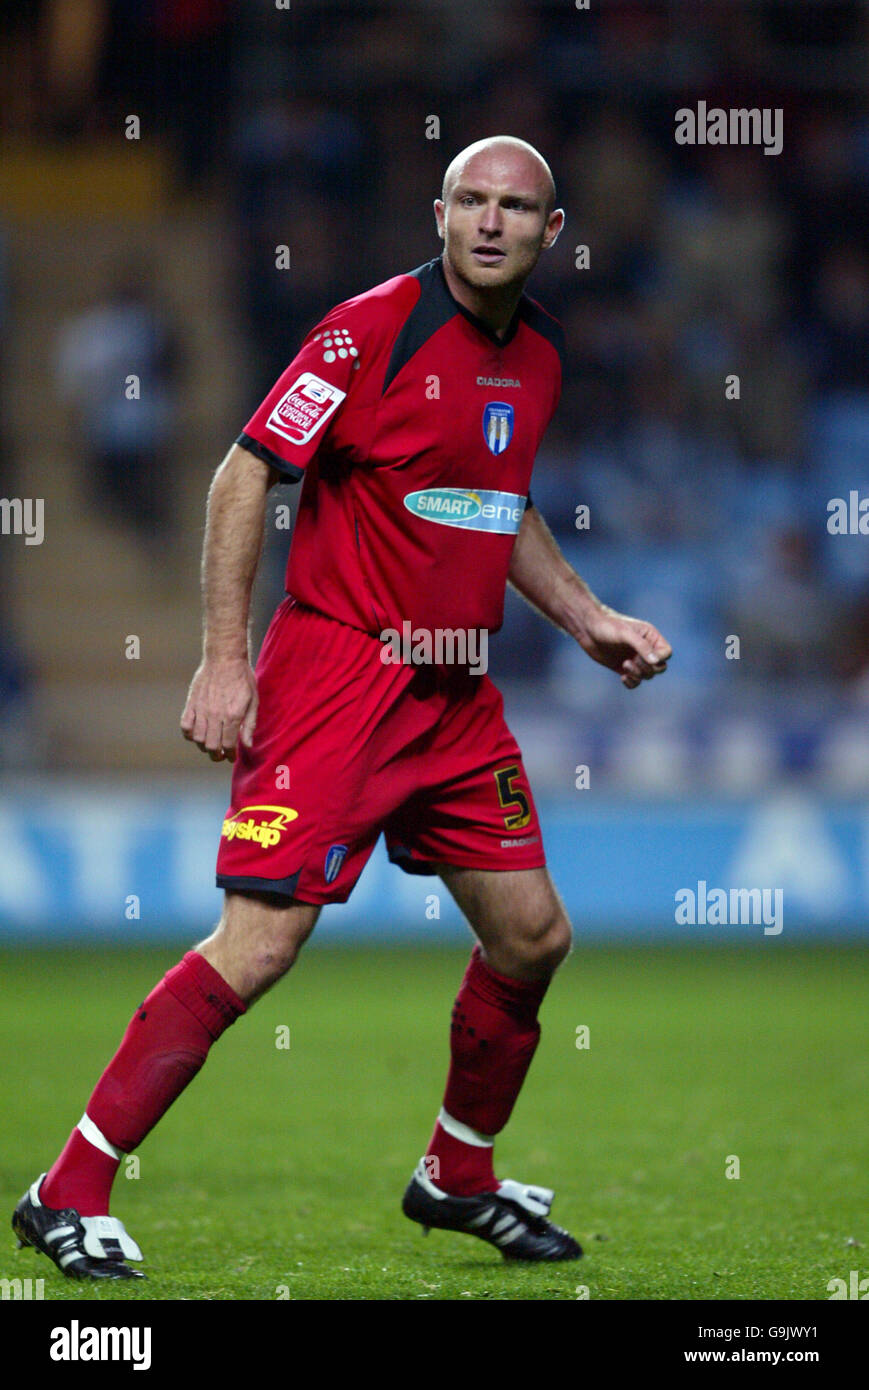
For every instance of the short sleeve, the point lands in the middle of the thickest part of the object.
(288, 427)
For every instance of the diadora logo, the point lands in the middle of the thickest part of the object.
(473, 509)
(501, 381)
(265, 831)
(498, 425)
(304, 408)
(334, 859)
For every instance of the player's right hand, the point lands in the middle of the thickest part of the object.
(221, 707)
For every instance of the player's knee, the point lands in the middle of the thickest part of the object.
(557, 941)
(257, 940)
(265, 968)
(254, 966)
(273, 949)
(545, 943)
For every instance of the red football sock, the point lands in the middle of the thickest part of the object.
(493, 1037)
(462, 1169)
(163, 1048)
(89, 1184)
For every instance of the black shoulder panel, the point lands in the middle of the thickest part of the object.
(432, 310)
(544, 324)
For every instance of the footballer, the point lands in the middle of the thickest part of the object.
(411, 417)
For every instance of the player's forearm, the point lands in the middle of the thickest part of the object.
(539, 572)
(231, 552)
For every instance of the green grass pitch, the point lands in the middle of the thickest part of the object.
(280, 1171)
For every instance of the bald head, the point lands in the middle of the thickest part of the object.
(508, 156)
(496, 216)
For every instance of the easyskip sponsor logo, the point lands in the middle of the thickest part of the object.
(473, 509)
(265, 832)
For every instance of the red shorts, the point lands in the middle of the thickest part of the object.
(346, 746)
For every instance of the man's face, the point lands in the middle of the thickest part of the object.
(494, 221)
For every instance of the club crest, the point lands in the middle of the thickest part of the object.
(497, 425)
(334, 859)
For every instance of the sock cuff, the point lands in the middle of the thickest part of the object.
(89, 1131)
(201, 989)
(520, 998)
(458, 1130)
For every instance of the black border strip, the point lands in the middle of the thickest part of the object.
(401, 856)
(262, 452)
(286, 887)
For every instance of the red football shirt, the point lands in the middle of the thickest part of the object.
(415, 429)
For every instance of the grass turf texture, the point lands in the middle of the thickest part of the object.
(282, 1170)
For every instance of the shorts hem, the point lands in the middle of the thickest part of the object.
(312, 901)
(403, 859)
(241, 883)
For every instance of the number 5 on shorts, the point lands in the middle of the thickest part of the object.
(510, 796)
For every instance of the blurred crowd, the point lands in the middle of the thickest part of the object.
(708, 508)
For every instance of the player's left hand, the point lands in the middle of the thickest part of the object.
(634, 649)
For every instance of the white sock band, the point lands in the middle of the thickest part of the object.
(89, 1131)
(464, 1132)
